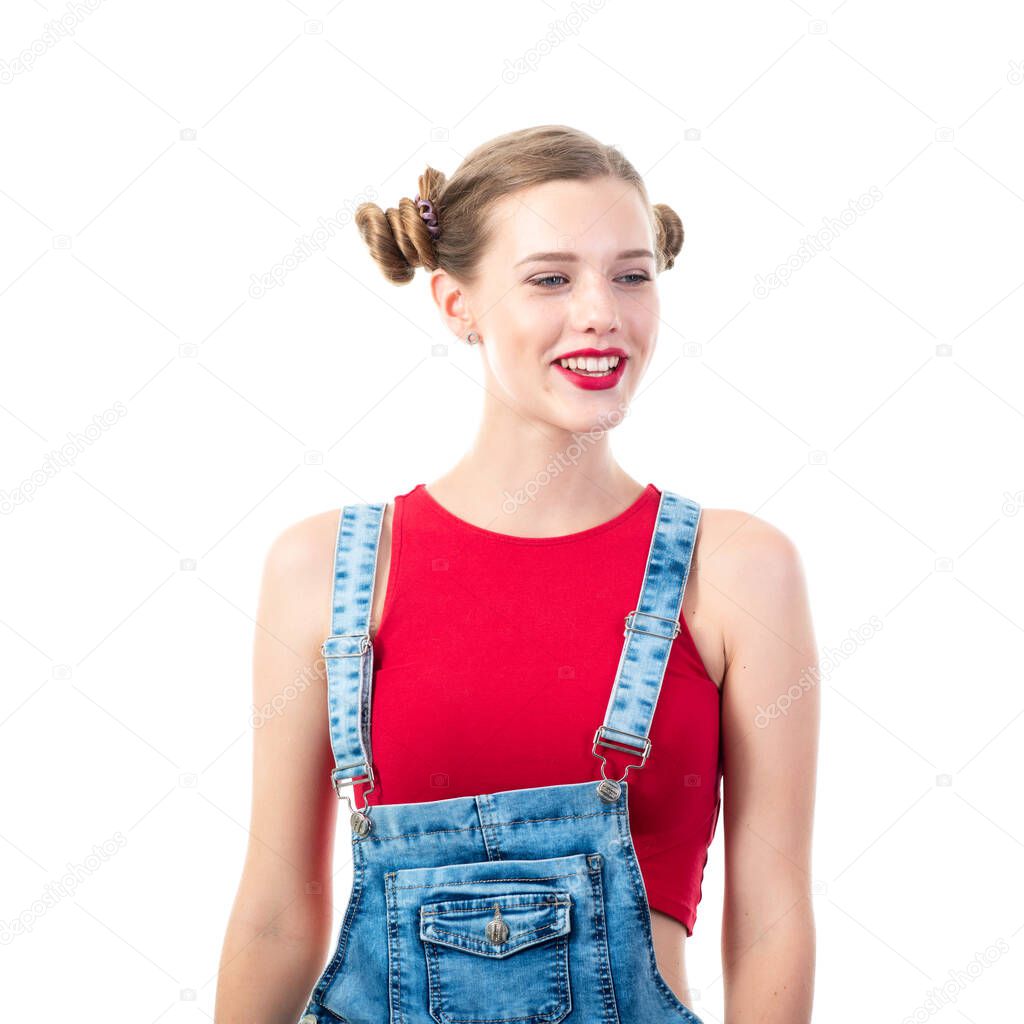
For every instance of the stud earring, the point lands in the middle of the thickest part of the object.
(473, 338)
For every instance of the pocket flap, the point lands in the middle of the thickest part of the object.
(528, 918)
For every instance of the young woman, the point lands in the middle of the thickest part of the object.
(494, 604)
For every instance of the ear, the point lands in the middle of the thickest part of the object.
(453, 302)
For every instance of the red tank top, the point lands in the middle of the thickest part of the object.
(494, 662)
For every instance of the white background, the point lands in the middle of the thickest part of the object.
(872, 408)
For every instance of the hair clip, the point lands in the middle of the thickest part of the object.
(429, 216)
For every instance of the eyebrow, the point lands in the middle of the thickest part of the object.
(571, 257)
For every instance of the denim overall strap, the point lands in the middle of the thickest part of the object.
(347, 652)
(650, 630)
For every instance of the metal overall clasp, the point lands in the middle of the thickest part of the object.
(358, 819)
(609, 789)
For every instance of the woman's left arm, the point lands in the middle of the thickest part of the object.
(770, 724)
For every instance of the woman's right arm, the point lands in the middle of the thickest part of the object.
(279, 931)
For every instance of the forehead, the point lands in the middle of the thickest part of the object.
(602, 212)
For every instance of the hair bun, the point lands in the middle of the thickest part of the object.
(400, 240)
(670, 234)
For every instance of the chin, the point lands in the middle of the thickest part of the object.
(590, 416)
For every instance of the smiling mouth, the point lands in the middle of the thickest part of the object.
(591, 366)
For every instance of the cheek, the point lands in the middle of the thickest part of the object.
(644, 312)
(522, 333)
(516, 366)
(517, 369)
(643, 323)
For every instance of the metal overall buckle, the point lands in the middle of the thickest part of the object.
(676, 626)
(609, 789)
(358, 819)
(364, 645)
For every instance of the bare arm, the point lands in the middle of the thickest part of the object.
(770, 742)
(278, 934)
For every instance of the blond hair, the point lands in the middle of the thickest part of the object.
(399, 240)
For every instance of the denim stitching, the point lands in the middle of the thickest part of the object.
(601, 942)
(432, 913)
(346, 928)
(474, 881)
(476, 828)
(327, 1010)
(669, 997)
(394, 951)
(433, 981)
(564, 981)
(491, 837)
(480, 802)
(476, 910)
(474, 941)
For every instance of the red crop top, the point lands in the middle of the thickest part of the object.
(494, 662)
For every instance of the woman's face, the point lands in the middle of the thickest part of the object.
(571, 266)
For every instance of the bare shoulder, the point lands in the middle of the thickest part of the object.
(298, 551)
(755, 581)
(739, 548)
(294, 603)
(300, 564)
(750, 571)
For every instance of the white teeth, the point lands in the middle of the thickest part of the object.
(590, 364)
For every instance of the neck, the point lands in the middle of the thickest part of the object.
(536, 481)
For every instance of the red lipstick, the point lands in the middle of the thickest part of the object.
(592, 383)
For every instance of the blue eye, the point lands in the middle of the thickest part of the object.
(549, 277)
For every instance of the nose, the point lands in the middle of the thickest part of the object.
(594, 305)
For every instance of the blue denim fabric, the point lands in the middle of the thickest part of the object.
(520, 907)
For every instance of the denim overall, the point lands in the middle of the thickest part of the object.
(520, 907)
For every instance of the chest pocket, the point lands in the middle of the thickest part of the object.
(502, 958)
